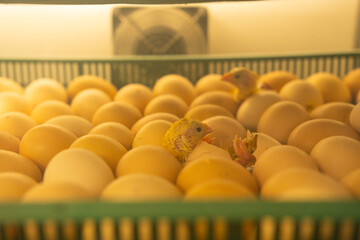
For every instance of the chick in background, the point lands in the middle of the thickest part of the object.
(244, 80)
(184, 135)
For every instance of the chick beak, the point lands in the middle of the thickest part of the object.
(227, 77)
(207, 129)
(208, 138)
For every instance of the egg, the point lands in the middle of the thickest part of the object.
(44, 89)
(352, 82)
(252, 108)
(263, 143)
(337, 155)
(13, 102)
(302, 92)
(155, 116)
(279, 158)
(149, 159)
(339, 111)
(281, 118)
(352, 182)
(224, 130)
(86, 81)
(354, 117)
(167, 103)
(105, 147)
(43, 142)
(218, 188)
(88, 101)
(77, 125)
(307, 134)
(177, 85)
(14, 185)
(206, 150)
(14, 162)
(275, 80)
(303, 184)
(56, 192)
(81, 167)
(16, 123)
(115, 130)
(9, 142)
(9, 85)
(220, 98)
(212, 82)
(205, 111)
(331, 87)
(139, 95)
(140, 187)
(151, 133)
(201, 170)
(49, 109)
(120, 112)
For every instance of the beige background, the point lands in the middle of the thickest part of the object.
(240, 27)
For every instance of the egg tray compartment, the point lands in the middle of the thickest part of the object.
(181, 220)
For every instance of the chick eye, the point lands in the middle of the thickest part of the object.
(198, 129)
(237, 76)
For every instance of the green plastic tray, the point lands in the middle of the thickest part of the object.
(147, 69)
(178, 220)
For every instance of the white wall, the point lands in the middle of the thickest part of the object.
(240, 27)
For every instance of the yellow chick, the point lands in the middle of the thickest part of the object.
(244, 80)
(184, 135)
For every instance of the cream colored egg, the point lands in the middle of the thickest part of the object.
(151, 133)
(306, 181)
(56, 192)
(302, 92)
(9, 142)
(352, 182)
(331, 87)
(212, 82)
(115, 130)
(202, 170)
(149, 159)
(275, 80)
(16, 123)
(263, 143)
(352, 81)
(281, 118)
(220, 98)
(88, 101)
(205, 151)
(43, 142)
(155, 116)
(218, 188)
(279, 158)
(110, 150)
(44, 89)
(75, 124)
(140, 187)
(224, 130)
(83, 82)
(306, 135)
(205, 111)
(138, 95)
(167, 103)
(120, 112)
(354, 118)
(337, 155)
(313, 194)
(14, 185)
(339, 111)
(13, 102)
(9, 85)
(14, 162)
(49, 109)
(177, 85)
(81, 167)
(250, 111)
